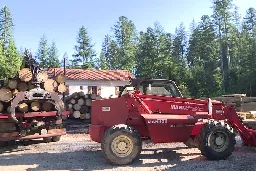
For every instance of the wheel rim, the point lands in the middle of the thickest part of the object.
(218, 141)
(122, 146)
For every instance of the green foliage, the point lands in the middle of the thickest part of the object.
(10, 59)
(47, 56)
(53, 56)
(84, 52)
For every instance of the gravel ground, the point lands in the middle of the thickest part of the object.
(78, 152)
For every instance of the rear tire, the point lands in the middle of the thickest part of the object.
(121, 145)
(216, 141)
(56, 138)
(47, 139)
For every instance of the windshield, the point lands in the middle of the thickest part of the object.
(159, 88)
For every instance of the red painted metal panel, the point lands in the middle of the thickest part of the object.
(169, 128)
(33, 114)
(109, 112)
(96, 132)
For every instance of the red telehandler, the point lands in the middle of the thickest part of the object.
(156, 110)
(33, 125)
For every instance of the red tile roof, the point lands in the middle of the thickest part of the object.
(82, 74)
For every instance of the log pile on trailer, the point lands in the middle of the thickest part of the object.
(79, 105)
(22, 83)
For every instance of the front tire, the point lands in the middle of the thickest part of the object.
(121, 145)
(216, 141)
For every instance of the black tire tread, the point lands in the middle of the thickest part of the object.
(209, 153)
(127, 129)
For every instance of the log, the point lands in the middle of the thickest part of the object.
(22, 86)
(1, 107)
(35, 106)
(80, 102)
(84, 109)
(50, 85)
(30, 86)
(93, 96)
(8, 109)
(88, 102)
(82, 116)
(47, 106)
(25, 75)
(76, 114)
(5, 94)
(23, 107)
(87, 116)
(77, 107)
(12, 84)
(62, 88)
(15, 92)
(42, 77)
(73, 101)
(60, 78)
(81, 94)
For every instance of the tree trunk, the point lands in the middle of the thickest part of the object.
(84, 109)
(25, 75)
(83, 116)
(50, 85)
(47, 106)
(5, 94)
(77, 107)
(1, 107)
(62, 88)
(73, 101)
(23, 107)
(80, 102)
(76, 114)
(22, 86)
(12, 84)
(88, 102)
(42, 77)
(60, 79)
(35, 106)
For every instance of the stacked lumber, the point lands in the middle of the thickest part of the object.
(24, 82)
(79, 105)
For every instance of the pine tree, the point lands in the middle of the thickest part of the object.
(53, 56)
(42, 52)
(124, 44)
(11, 61)
(85, 53)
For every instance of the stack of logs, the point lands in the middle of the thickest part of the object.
(23, 82)
(79, 105)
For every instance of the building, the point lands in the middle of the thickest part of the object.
(105, 83)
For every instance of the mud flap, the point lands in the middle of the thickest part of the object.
(165, 128)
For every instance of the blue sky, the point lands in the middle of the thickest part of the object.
(60, 20)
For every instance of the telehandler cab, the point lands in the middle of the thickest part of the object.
(155, 109)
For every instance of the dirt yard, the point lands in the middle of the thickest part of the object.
(76, 151)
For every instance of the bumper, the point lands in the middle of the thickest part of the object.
(96, 132)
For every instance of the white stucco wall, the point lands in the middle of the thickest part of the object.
(107, 87)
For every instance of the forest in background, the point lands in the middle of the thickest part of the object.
(215, 56)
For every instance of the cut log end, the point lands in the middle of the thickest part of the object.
(23, 107)
(47, 106)
(5, 94)
(42, 77)
(60, 78)
(50, 85)
(62, 88)
(22, 86)
(12, 84)
(35, 106)
(76, 114)
(25, 75)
